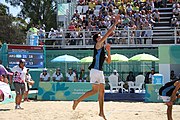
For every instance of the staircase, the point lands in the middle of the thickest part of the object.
(162, 32)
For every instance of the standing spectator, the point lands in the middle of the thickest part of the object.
(52, 33)
(44, 76)
(156, 16)
(19, 81)
(138, 39)
(57, 76)
(70, 76)
(172, 75)
(28, 82)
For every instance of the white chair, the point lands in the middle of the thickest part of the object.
(85, 8)
(79, 8)
(113, 82)
(138, 84)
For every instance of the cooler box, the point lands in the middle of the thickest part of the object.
(157, 79)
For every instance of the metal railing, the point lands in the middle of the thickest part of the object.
(120, 38)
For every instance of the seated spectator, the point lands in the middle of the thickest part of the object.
(174, 21)
(57, 76)
(70, 76)
(150, 75)
(172, 75)
(83, 76)
(52, 33)
(176, 12)
(115, 73)
(44, 76)
(130, 77)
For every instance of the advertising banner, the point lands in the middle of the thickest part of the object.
(63, 91)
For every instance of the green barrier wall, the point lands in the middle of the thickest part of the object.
(63, 91)
(152, 93)
(35, 74)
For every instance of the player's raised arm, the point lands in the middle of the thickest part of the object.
(108, 49)
(117, 20)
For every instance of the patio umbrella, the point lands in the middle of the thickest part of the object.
(143, 57)
(88, 59)
(119, 58)
(65, 59)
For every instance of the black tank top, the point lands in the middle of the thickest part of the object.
(98, 58)
(168, 88)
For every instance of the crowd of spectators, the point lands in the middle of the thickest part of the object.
(70, 76)
(138, 16)
(135, 15)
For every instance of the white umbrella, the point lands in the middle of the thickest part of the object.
(65, 59)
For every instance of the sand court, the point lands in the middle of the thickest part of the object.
(62, 110)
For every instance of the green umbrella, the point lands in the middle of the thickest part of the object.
(143, 57)
(118, 58)
(88, 59)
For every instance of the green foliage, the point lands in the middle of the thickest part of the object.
(39, 11)
(3, 9)
(12, 30)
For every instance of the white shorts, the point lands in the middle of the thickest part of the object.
(96, 77)
(165, 98)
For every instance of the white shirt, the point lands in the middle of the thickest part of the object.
(19, 74)
(44, 78)
(57, 77)
(28, 77)
(71, 77)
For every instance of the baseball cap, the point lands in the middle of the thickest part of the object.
(58, 69)
(44, 70)
(22, 61)
(152, 69)
(114, 70)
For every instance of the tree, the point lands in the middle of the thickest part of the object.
(12, 29)
(39, 11)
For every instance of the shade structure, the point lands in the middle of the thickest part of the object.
(143, 57)
(65, 58)
(88, 59)
(118, 58)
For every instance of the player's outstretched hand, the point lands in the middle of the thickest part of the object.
(108, 47)
(117, 18)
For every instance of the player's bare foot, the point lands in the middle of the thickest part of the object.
(75, 103)
(103, 116)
